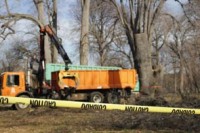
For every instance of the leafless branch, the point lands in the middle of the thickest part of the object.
(185, 13)
(7, 7)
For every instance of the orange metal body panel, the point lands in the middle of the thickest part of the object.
(12, 90)
(99, 79)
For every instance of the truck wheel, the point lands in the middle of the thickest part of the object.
(96, 97)
(20, 106)
(113, 98)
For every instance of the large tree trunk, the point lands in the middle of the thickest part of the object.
(84, 46)
(138, 18)
(54, 51)
(45, 51)
(41, 16)
(142, 60)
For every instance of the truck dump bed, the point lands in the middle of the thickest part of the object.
(97, 79)
(52, 67)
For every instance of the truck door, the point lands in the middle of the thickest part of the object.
(12, 84)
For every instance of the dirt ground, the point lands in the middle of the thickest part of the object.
(65, 120)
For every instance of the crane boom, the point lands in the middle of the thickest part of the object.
(54, 38)
(56, 41)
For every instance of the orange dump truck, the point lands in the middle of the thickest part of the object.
(94, 85)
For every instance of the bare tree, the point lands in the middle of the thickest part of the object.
(185, 49)
(191, 12)
(108, 43)
(102, 30)
(52, 17)
(11, 18)
(54, 21)
(18, 56)
(137, 18)
(84, 46)
(41, 17)
(160, 34)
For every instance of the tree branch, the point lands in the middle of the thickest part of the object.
(182, 6)
(17, 17)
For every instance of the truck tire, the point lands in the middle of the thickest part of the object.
(113, 98)
(20, 106)
(96, 97)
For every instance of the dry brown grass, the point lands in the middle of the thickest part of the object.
(61, 120)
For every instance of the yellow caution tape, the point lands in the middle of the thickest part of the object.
(97, 106)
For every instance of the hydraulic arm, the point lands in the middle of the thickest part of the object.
(56, 41)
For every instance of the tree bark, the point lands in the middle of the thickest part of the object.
(54, 19)
(142, 60)
(84, 43)
(41, 16)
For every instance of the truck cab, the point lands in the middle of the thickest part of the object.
(13, 84)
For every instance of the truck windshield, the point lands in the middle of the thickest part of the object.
(12, 80)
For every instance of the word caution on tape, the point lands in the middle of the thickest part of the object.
(97, 106)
